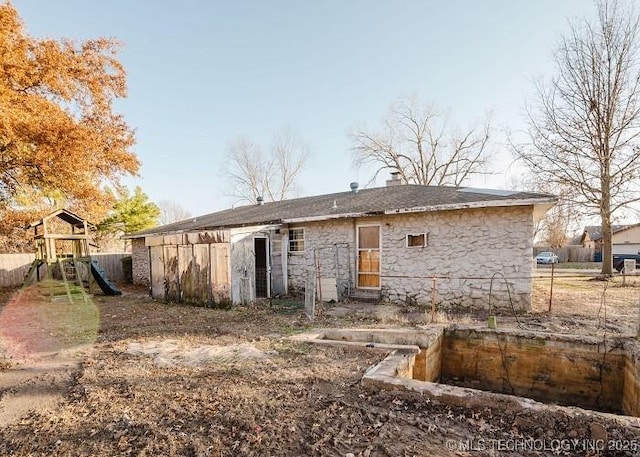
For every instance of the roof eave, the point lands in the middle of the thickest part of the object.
(202, 228)
(326, 217)
(79, 222)
(547, 202)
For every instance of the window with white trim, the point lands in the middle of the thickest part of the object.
(418, 240)
(296, 240)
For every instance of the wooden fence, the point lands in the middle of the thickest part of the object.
(111, 264)
(191, 267)
(13, 267)
(568, 253)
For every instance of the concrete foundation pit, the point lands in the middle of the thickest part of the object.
(517, 368)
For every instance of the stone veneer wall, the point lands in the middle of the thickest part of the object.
(140, 262)
(466, 247)
(326, 238)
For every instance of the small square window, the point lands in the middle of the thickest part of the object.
(418, 240)
(296, 240)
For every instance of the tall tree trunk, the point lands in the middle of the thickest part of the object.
(586, 121)
(607, 231)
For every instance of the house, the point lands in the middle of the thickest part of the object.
(387, 242)
(625, 239)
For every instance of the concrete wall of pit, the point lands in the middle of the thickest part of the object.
(576, 371)
(567, 370)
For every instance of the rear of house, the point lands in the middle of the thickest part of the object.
(411, 244)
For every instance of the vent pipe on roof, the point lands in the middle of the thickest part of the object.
(260, 200)
(354, 187)
(395, 180)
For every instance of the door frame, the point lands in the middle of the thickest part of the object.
(268, 264)
(379, 225)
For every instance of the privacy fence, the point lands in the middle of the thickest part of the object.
(13, 267)
(569, 253)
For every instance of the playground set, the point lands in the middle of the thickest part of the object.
(63, 261)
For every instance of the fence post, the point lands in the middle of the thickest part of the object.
(553, 265)
(433, 300)
(638, 327)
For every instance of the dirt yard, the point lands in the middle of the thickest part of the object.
(130, 376)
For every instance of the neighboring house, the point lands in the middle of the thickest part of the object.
(625, 239)
(388, 242)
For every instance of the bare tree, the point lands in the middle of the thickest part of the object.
(171, 211)
(584, 129)
(558, 222)
(272, 176)
(416, 142)
(289, 155)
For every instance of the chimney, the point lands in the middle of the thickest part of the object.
(260, 200)
(395, 179)
(354, 187)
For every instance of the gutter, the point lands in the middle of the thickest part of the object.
(199, 229)
(325, 217)
(424, 209)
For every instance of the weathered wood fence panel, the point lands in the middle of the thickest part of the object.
(171, 273)
(192, 273)
(578, 254)
(13, 268)
(186, 284)
(201, 276)
(111, 264)
(156, 258)
(220, 273)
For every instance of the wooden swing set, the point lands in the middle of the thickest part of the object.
(62, 241)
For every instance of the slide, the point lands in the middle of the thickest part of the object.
(107, 286)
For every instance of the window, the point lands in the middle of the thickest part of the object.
(296, 240)
(419, 240)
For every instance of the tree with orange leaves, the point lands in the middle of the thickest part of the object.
(61, 144)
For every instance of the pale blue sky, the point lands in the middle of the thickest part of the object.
(201, 73)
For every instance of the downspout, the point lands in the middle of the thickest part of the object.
(285, 261)
(355, 255)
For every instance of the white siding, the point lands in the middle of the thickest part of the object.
(627, 241)
(243, 261)
(631, 248)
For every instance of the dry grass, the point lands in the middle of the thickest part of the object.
(442, 317)
(31, 323)
(299, 400)
(583, 304)
(584, 295)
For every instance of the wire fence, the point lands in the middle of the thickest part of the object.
(546, 294)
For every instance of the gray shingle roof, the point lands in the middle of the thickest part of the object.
(595, 231)
(348, 204)
(65, 215)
